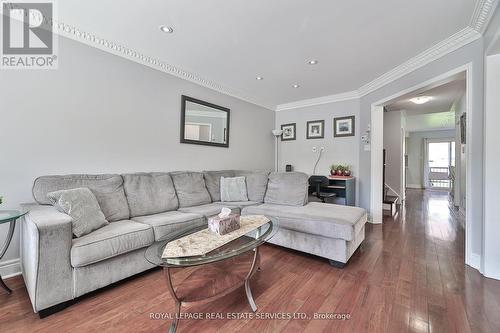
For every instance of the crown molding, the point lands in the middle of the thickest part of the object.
(439, 50)
(319, 100)
(483, 12)
(128, 53)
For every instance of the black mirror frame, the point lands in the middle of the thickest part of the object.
(185, 99)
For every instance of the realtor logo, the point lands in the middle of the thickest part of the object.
(28, 41)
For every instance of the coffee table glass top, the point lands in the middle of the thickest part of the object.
(236, 247)
(9, 215)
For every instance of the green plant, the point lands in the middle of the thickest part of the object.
(333, 167)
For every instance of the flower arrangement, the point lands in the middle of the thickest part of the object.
(340, 170)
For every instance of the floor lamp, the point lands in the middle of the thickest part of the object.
(277, 133)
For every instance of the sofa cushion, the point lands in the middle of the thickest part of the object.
(108, 190)
(110, 241)
(239, 204)
(287, 188)
(212, 181)
(233, 189)
(334, 221)
(256, 183)
(190, 188)
(82, 206)
(167, 223)
(209, 210)
(149, 193)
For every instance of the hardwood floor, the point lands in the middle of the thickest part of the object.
(408, 276)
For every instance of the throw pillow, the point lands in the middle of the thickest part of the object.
(233, 189)
(81, 204)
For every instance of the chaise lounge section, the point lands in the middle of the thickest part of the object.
(326, 230)
(145, 207)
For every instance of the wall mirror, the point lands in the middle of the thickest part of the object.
(204, 123)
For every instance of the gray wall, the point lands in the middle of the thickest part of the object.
(471, 53)
(460, 157)
(416, 154)
(492, 158)
(393, 150)
(100, 113)
(337, 150)
(491, 34)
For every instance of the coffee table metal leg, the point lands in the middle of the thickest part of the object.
(173, 326)
(4, 249)
(256, 260)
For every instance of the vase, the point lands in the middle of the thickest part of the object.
(347, 172)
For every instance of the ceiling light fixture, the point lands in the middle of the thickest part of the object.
(296, 86)
(166, 29)
(421, 99)
(259, 78)
(312, 62)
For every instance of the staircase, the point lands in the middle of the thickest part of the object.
(390, 202)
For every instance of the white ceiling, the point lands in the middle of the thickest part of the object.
(438, 113)
(443, 97)
(232, 42)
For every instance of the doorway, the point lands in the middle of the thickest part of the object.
(463, 153)
(439, 164)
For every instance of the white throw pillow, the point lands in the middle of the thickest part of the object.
(81, 204)
(233, 189)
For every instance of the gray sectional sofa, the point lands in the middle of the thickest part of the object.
(144, 207)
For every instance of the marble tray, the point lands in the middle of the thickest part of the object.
(204, 241)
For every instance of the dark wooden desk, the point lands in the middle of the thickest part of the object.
(344, 187)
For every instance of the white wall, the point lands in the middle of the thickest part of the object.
(337, 150)
(99, 113)
(492, 167)
(393, 150)
(416, 154)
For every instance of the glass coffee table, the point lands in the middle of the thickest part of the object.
(8, 216)
(188, 292)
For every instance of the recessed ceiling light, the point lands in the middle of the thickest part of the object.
(312, 62)
(166, 29)
(421, 99)
(296, 86)
(259, 78)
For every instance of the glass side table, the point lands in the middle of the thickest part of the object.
(8, 216)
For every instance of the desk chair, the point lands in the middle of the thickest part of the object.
(317, 182)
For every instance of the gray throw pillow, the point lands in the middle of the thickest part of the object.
(81, 204)
(233, 189)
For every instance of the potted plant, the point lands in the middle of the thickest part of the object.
(333, 169)
(1, 199)
(347, 170)
(340, 170)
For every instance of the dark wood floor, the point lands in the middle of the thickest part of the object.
(408, 276)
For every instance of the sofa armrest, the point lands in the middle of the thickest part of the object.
(46, 240)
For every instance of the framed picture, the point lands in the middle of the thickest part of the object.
(288, 132)
(343, 126)
(315, 129)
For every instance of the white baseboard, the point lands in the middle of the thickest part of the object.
(10, 268)
(417, 186)
(475, 261)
